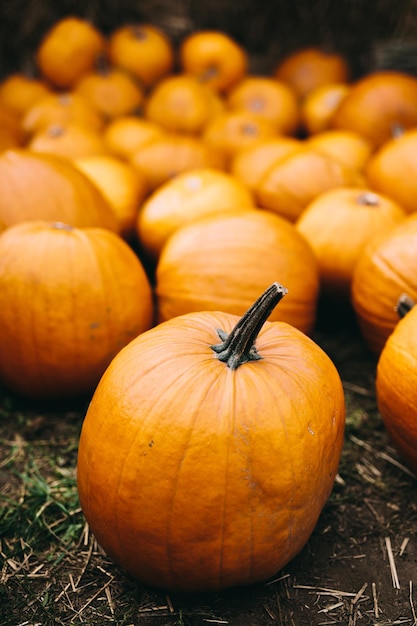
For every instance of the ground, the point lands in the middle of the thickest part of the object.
(359, 567)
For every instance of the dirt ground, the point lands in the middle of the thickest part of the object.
(358, 568)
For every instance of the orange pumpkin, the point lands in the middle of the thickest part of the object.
(338, 225)
(46, 187)
(124, 135)
(220, 263)
(70, 299)
(396, 383)
(69, 50)
(121, 185)
(269, 98)
(307, 69)
(296, 179)
(318, 107)
(385, 269)
(180, 103)
(61, 108)
(20, 91)
(214, 58)
(210, 448)
(144, 50)
(110, 90)
(250, 164)
(392, 169)
(346, 146)
(68, 139)
(377, 104)
(232, 131)
(162, 158)
(185, 198)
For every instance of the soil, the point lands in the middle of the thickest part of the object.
(359, 567)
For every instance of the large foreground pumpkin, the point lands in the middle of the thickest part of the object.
(70, 299)
(210, 448)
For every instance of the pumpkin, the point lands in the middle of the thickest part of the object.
(68, 50)
(68, 139)
(269, 98)
(384, 270)
(19, 91)
(318, 107)
(121, 185)
(61, 108)
(392, 169)
(143, 50)
(232, 131)
(124, 135)
(110, 90)
(180, 103)
(162, 158)
(70, 299)
(250, 163)
(306, 69)
(185, 198)
(47, 187)
(377, 104)
(327, 220)
(346, 146)
(396, 383)
(221, 262)
(296, 179)
(210, 448)
(214, 58)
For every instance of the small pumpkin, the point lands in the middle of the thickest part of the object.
(110, 90)
(19, 91)
(210, 448)
(346, 146)
(70, 299)
(392, 169)
(325, 223)
(181, 104)
(124, 135)
(68, 140)
(184, 199)
(269, 98)
(121, 185)
(296, 179)
(221, 262)
(306, 69)
(396, 382)
(47, 187)
(214, 58)
(384, 270)
(377, 104)
(68, 50)
(143, 50)
(162, 158)
(60, 108)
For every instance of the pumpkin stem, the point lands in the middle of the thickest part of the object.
(239, 346)
(404, 305)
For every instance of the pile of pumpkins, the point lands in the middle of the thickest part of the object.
(156, 203)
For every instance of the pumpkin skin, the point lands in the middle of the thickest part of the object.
(296, 179)
(325, 222)
(221, 262)
(48, 187)
(396, 387)
(194, 476)
(384, 270)
(376, 104)
(70, 299)
(392, 169)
